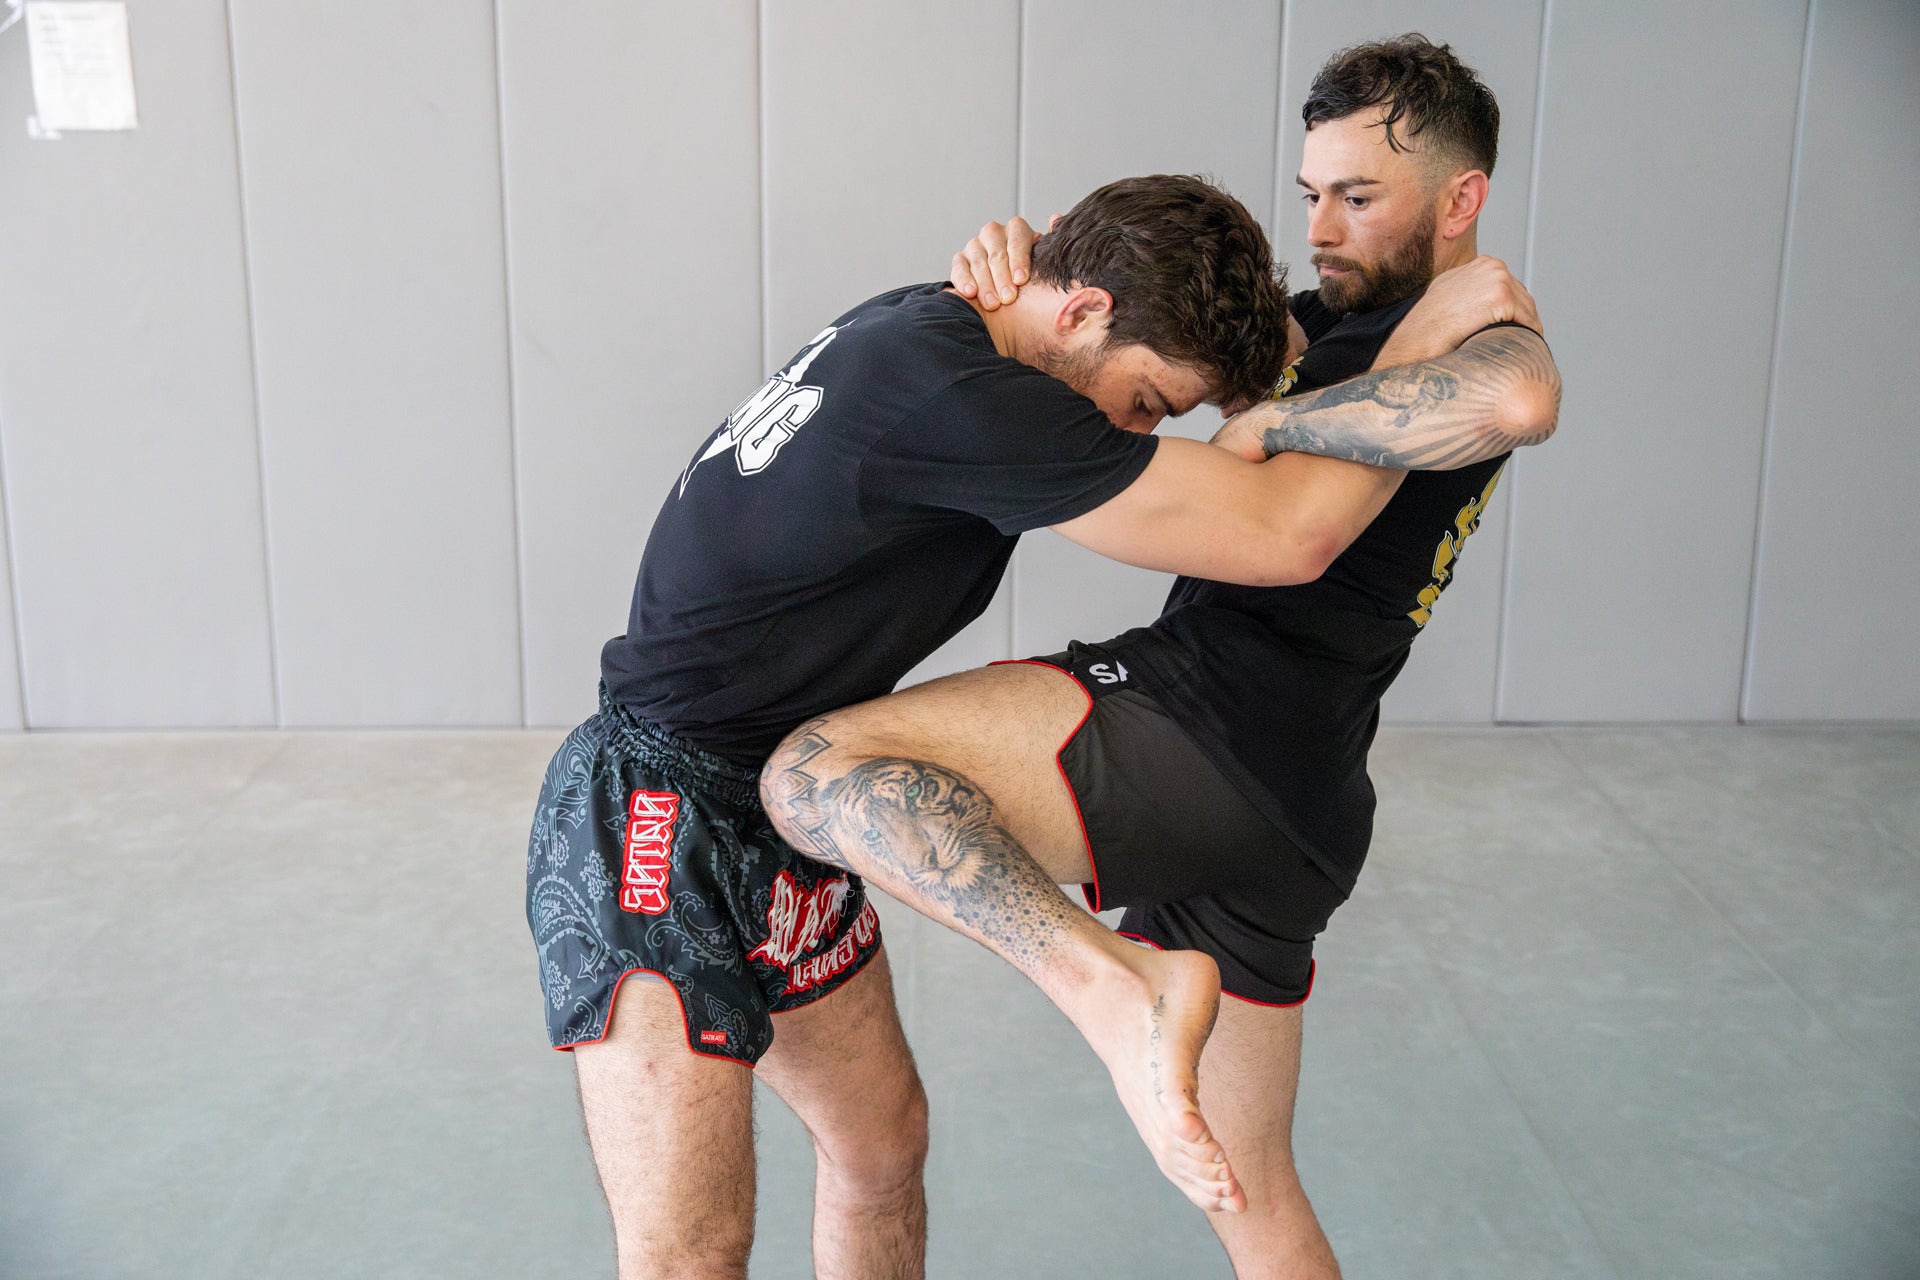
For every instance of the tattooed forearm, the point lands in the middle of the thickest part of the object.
(926, 834)
(1500, 391)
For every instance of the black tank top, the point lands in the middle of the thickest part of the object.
(1282, 685)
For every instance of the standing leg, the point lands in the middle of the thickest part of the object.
(937, 794)
(842, 1064)
(1250, 1075)
(672, 1137)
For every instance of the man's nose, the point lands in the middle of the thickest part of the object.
(1323, 225)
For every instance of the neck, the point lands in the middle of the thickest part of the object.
(1019, 328)
(1457, 252)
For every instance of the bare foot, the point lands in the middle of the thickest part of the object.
(1148, 1022)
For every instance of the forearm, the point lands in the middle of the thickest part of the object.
(1499, 392)
(1200, 512)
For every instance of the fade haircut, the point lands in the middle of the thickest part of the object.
(1440, 99)
(1191, 273)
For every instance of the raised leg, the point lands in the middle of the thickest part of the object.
(1249, 1078)
(945, 795)
(672, 1137)
(843, 1066)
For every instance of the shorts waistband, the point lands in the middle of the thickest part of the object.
(719, 777)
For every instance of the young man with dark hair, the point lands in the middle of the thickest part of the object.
(1211, 768)
(842, 523)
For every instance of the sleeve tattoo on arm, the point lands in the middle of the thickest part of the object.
(1432, 416)
(924, 828)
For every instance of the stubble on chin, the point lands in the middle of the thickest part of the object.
(1075, 366)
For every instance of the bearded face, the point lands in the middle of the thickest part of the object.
(1400, 272)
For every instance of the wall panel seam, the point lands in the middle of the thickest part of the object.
(1773, 378)
(513, 402)
(1526, 269)
(760, 148)
(1280, 130)
(253, 376)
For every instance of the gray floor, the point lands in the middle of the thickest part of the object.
(1607, 1004)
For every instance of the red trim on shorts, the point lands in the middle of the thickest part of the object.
(1313, 970)
(843, 979)
(1090, 892)
(678, 1000)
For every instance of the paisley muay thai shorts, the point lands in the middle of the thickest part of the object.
(651, 856)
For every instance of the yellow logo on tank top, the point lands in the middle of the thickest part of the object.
(1288, 376)
(1449, 549)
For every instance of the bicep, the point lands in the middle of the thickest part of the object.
(1182, 515)
(1339, 499)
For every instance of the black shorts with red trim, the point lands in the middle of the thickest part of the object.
(1172, 840)
(651, 856)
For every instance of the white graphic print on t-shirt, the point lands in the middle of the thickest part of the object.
(768, 418)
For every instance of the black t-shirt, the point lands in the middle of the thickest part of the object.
(1282, 685)
(849, 517)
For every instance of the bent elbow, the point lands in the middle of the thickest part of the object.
(1303, 561)
(1318, 556)
(1527, 413)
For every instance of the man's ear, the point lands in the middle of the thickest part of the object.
(1085, 307)
(1464, 195)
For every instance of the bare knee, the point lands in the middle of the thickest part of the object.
(888, 1161)
(680, 1252)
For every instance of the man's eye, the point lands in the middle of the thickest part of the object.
(1356, 202)
(1309, 197)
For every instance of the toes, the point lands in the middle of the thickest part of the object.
(1209, 1198)
(1188, 1169)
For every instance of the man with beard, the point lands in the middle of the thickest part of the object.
(838, 526)
(1211, 768)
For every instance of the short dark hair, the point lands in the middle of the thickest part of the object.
(1191, 273)
(1440, 97)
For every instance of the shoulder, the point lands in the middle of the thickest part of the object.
(1313, 315)
(896, 350)
(925, 314)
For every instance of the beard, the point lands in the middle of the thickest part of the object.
(1403, 272)
(1077, 366)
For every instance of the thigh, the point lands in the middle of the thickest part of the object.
(843, 1065)
(672, 1137)
(1001, 728)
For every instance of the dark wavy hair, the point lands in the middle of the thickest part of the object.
(1191, 273)
(1440, 99)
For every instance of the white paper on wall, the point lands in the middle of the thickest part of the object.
(82, 63)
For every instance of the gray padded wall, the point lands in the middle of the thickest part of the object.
(1450, 676)
(1659, 219)
(302, 423)
(126, 399)
(1109, 90)
(371, 162)
(1833, 621)
(633, 216)
(874, 179)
